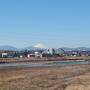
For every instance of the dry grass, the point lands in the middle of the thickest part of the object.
(56, 78)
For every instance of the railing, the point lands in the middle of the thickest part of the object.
(29, 59)
(41, 59)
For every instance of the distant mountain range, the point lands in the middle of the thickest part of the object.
(30, 48)
(78, 48)
(11, 48)
(7, 47)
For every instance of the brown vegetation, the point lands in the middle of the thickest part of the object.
(55, 78)
(68, 58)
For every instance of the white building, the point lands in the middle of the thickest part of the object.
(37, 54)
(4, 55)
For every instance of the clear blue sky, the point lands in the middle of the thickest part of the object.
(55, 23)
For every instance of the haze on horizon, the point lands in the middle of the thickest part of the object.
(54, 23)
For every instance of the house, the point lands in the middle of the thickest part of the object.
(4, 55)
(30, 55)
(35, 55)
(38, 55)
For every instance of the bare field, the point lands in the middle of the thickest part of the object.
(75, 77)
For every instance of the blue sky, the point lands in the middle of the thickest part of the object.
(55, 23)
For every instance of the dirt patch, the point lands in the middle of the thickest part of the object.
(75, 77)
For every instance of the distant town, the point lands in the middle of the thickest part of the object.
(40, 52)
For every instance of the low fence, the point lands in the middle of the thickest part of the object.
(6, 60)
(2, 60)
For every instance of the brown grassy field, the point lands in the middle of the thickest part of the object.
(75, 77)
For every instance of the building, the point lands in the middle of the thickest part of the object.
(4, 55)
(35, 55)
